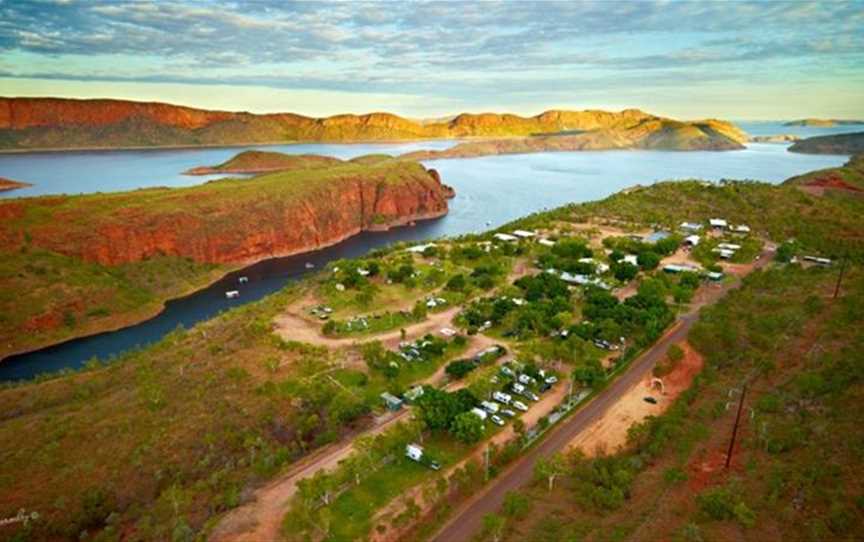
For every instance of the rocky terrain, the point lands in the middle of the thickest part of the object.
(831, 144)
(655, 134)
(56, 123)
(9, 184)
(229, 221)
(84, 264)
(848, 179)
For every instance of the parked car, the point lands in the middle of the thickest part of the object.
(518, 388)
(530, 395)
(519, 405)
(503, 398)
(496, 420)
(551, 379)
(508, 371)
(507, 412)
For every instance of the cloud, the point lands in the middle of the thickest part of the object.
(452, 49)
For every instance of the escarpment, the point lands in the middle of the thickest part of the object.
(229, 221)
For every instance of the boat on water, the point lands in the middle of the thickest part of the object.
(232, 294)
(310, 265)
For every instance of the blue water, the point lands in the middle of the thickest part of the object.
(490, 191)
(765, 128)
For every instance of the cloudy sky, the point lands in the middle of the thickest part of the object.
(739, 60)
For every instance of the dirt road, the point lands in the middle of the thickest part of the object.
(468, 518)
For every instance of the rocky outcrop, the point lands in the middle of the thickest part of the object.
(9, 184)
(847, 179)
(39, 123)
(832, 144)
(646, 134)
(234, 221)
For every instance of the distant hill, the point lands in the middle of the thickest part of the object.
(831, 144)
(822, 123)
(58, 123)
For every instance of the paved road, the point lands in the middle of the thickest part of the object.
(468, 519)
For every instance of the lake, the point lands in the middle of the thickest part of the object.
(493, 190)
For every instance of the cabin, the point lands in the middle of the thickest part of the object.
(506, 237)
(599, 266)
(680, 268)
(691, 240)
(691, 227)
(419, 249)
(657, 236)
(724, 253)
(546, 242)
(414, 393)
(817, 260)
(715, 276)
(718, 223)
(741, 228)
(392, 402)
(632, 259)
(524, 234)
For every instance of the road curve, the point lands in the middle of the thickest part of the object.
(467, 520)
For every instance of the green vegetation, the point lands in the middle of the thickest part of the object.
(797, 401)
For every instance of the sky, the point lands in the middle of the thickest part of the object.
(687, 59)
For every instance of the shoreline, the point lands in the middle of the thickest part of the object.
(163, 305)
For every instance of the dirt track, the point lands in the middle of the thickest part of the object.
(261, 518)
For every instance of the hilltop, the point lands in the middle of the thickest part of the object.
(822, 123)
(263, 161)
(831, 144)
(87, 263)
(57, 123)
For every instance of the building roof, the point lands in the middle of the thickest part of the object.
(523, 233)
(657, 236)
(420, 248)
(505, 237)
(546, 242)
(718, 223)
(692, 239)
(691, 226)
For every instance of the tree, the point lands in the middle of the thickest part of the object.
(459, 368)
(493, 525)
(467, 427)
(456, 283)
(515, 504)
(624, 271)
(550, 468)
(648, 260)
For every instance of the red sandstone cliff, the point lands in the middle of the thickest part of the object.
(228, 221)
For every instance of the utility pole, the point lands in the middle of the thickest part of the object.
(840, 277)
(735, 427)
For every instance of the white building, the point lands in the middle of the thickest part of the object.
(632, 259)
(718, 223)
(505, 237)
(524, 234)
(691, 240)
(546, 242)
(419, 249)
(691, 226)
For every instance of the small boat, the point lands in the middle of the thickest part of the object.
(310, 265)
(232, 294)
(243, 280)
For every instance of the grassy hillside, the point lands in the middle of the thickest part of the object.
(831, 144)
(75, 265)
(848, 177)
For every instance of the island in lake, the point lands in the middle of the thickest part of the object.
(831, 144)
(823, 123)
(9, 184)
